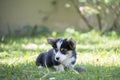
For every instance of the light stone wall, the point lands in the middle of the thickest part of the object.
(17, 13)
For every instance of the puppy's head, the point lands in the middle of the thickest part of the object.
(62, 48)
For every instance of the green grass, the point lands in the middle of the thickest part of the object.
(99, 54)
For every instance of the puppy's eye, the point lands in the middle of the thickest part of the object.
(63, 50)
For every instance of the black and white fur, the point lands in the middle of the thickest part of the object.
(61, 55)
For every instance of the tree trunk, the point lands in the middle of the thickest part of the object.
(99, 21)
(81, 15)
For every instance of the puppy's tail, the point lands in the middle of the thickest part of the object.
(80, 69)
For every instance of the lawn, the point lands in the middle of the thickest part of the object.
(98, 53)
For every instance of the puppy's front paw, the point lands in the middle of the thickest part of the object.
(59, 67)
(40, 67)
(70, 66)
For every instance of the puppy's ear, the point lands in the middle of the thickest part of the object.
(71, 43)
(51, 40)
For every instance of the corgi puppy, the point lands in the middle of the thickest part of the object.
(61, 55)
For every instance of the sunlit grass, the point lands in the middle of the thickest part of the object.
(99, 54)
(100, 59)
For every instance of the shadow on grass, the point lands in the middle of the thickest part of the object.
(29, 71)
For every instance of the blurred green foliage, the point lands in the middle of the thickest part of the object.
(98, 8)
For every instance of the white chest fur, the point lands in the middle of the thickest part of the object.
(68, 62)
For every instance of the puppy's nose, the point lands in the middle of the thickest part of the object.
(57, 58)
